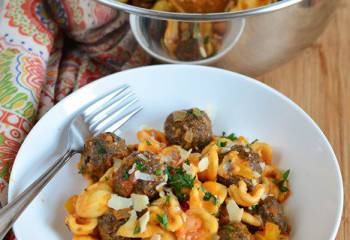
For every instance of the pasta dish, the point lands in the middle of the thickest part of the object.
(184, 183)
(189, 41)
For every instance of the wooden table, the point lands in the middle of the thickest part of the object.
(319, 81)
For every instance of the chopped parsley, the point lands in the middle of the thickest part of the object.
(187, 162)
(209, 196)
(158, 172)
(286, 174)
(137, 229)
(148, 143)
(178, 180)
(231, 136)
(282, 183)
(100, 148)
(125, 175)
(163, 219)
(140, 166)
(254, 207)
(221, 143)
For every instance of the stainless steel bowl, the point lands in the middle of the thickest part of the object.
(271, 35)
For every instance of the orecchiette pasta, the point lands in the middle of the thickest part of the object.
(171, 207)
(264, 150)
(242, 197)
(212, 171)
(198, 200)
(92, 202)
(81, 226)
(199, 224)
(83, 237)
(251, 220)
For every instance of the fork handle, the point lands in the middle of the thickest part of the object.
(10, 213)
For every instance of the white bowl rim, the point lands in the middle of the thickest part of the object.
(340, 203)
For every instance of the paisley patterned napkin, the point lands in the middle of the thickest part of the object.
(48, 49)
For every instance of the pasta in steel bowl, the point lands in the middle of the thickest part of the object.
(184, 183)
(192, 41)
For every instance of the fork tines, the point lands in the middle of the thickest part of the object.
(111, 111)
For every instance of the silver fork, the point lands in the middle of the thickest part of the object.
(107, 114)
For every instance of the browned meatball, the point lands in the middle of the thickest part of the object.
(125, 183)
(188, 50)
(247, 154)
(98, 154)
(271, 211)
(234, 231)
(109, 223)
(188, 128)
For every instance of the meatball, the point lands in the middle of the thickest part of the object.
(247, 154)
(98, 154)
(188, 128)
(234, 231)
(109, 223)
(271, 211)
(125, 182)
(188, 50)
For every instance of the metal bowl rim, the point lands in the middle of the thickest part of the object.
(198, 16)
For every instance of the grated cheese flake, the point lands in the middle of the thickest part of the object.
(139, 202)
(234, 212)
(143, 176)
(116, 202)
(143, 220)
(203, 164)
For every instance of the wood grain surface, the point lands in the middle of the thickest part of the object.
(318, 80)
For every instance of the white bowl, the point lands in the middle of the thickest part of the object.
(236, 103)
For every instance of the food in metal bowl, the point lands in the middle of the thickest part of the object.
(190, 41)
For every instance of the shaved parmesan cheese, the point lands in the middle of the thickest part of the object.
(139, 202)
(184, 154)
(132, 169)
(160, 186)
(133, 218)
(234, 212)
(262, 165)
(144, 221)
(143, 176)
(116, 202)
(256, 174)
(203, 164)
(187, 168)
(254, 182)
(225, 149)
(143, 157)
(156, 237)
